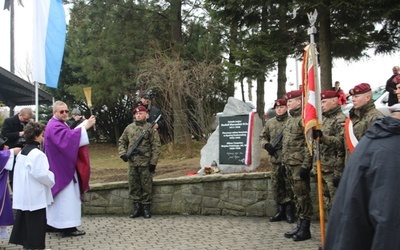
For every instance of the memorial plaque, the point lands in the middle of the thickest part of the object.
(233, 139)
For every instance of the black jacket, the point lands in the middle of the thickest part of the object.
(365, 212)
(72, 123)
(11, 128)
(153, 114)
(391, 87)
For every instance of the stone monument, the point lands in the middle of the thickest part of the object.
(211, 151)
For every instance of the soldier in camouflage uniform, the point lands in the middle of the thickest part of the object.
(298, 162)
(271, 140)
(140, 178)
(362, 115)
(331, 140)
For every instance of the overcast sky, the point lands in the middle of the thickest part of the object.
(374, 71)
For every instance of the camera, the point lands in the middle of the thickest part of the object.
(21, 142)
(151, 94)
(3, 140)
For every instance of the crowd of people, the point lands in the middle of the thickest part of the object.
(358, 167)
(364, 214)
(51, 175)
(357, 156)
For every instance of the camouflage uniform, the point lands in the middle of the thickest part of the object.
(140, 178)
(280, 185)
(332, 150)
(362, 118)
(296, 156)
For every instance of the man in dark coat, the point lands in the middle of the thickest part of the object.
(153, 111)
(342, 100)
(391, 86)
(13, 127)
(365, 212)
(76, 118)
(13, 130)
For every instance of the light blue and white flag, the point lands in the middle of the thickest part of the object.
(49, 31)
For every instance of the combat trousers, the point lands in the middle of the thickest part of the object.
(301, 191)
(281, 187)
(329, 190)
(140, 184)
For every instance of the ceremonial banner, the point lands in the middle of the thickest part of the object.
(247, 160)
(311, 93)
(351, 139)
(49, 31)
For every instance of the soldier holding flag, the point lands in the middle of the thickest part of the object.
(332, 143)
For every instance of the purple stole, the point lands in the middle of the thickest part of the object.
(61, 145)
(6, 213)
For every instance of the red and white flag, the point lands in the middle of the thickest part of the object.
(311, 89)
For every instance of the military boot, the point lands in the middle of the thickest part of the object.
(295, 230)
(146, 211)
(137, 210)
(280, 213)
(304, 232)
(289, 212)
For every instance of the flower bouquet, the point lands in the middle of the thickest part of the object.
(208, 170)
(215, 170)
(211, 170)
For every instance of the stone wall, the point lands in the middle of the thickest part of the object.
(247, 194)
(217, 194)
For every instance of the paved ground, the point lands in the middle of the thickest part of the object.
(179, 232)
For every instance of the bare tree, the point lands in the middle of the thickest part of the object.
(25, 70)
(186, 89)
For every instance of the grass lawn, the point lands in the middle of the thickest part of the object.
(106, 166)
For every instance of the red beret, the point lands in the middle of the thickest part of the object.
(327, 94)
(139, 108)
(396, 80)
(293, 94)
(360, 89)
(280, 102)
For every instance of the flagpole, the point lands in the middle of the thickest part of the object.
(311, 31)
(36, 101)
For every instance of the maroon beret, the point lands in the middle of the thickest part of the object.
(280, 102)
(139, 108)
(327, 94)
(396, 80)
(293, 94)
(360, 89)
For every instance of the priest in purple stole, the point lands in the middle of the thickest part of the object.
(6, 164)
(61, 145)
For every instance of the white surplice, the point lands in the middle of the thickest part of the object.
(65, 211)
